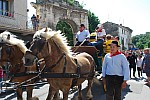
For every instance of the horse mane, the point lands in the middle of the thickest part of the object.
(13, 40)
(58, 38)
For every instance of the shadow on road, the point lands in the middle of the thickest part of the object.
(98, 92)
(125, 91)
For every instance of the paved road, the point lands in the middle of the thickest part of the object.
(136, 90)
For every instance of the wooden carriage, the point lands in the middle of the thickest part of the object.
(93, 52)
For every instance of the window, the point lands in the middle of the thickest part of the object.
(5, 6)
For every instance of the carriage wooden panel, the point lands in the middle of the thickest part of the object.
(93, 52)
(88, 49)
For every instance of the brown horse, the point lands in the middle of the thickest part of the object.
(60, 63)
(12, 50)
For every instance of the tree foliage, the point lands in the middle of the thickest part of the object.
(93, 21)
(142, 41)
(66, 31)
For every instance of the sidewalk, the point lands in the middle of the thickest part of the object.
(136, 89)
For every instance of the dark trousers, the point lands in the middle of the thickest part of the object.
(113, 86)
(134, 70)
(139, 71)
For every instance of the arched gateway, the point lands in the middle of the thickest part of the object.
(53, 11)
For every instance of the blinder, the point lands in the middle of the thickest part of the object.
(32, 56)
(40, 44)
(8, 48)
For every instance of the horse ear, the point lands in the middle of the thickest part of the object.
(8, 37)
(46, 29)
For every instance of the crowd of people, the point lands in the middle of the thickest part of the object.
(117, 64)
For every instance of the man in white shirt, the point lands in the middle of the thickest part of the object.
(115, 72)
(139, 65)
(101, 34)
(83, 35)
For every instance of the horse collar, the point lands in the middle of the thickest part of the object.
(52, 66)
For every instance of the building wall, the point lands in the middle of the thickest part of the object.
(123, 32)
(125, 37)
(53, 11)
(17, 17)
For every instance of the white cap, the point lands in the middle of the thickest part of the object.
(99, 25)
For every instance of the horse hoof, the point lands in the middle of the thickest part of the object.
(89, 98)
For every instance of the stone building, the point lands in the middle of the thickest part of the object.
(13, 16)
(53, 11)
(123, 32)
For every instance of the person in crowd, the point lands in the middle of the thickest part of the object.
(146, 64)
(100, 37)
(82, 36)
(107, 43)
(1, 78)
(37, 22)
(33, 19)
(139, 65)
(101, 34)
(115, 72)
(117, 39)
(93, 37)
(132, 59)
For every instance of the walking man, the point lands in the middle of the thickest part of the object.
(146, 64)
(33, 19)
(132, 59)
(115, 72)
(139, 65)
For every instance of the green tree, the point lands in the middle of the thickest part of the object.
(148, 44)
(66, 31)
(93, 21)
(142, 40)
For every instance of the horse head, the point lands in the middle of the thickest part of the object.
(11, 51)
(37, 49)
(46, 44)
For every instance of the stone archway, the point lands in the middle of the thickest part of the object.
(53, 11)
(73, 26)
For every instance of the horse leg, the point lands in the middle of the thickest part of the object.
(89, 95)
(80, 92)
(65, 94)
(19, 94)
(57, 96)
(51, 93)
(29, 92)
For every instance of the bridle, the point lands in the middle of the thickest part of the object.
(47, 57)
(9, 51)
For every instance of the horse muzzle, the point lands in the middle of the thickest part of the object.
(29, 59)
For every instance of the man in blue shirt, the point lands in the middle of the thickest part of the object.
(83, 35)
(115, 72)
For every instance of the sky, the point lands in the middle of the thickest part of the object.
(134, 14)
